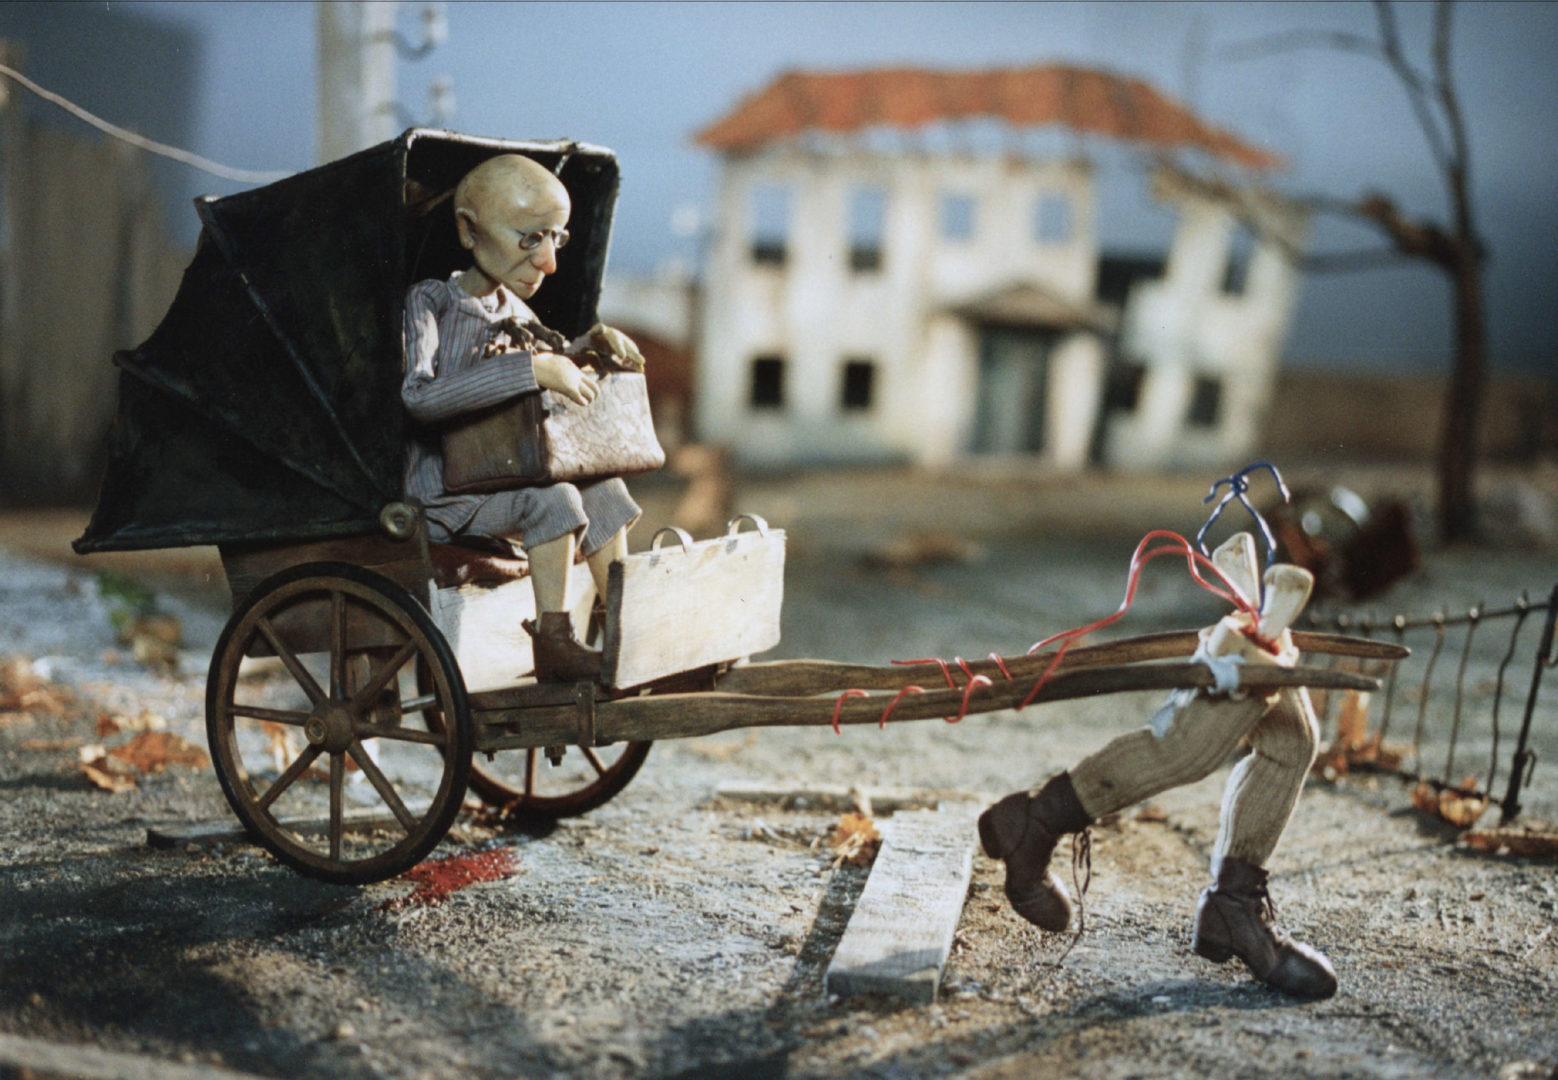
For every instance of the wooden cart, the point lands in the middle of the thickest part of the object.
(364, 669)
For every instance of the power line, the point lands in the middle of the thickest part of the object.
(226, 172)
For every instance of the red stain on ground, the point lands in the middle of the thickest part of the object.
(436, 879)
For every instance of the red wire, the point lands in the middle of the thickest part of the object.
(1175, 544)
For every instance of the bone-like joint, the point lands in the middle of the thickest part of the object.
(1287, 591)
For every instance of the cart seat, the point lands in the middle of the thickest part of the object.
(487, 565)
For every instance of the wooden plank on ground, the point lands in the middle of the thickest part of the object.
(674, 609)
(205, 833)
(868, 800)
(900, 934)
(25, 1054)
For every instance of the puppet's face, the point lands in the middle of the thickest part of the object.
(513, 234)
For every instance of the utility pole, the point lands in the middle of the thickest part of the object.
(356, 75)
(358, 44)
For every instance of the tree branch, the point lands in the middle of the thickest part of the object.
(1414, 83)
(1340, 262)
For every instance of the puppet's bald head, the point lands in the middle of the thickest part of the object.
(510, 212)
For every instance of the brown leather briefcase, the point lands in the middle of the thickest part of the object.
(543, 438)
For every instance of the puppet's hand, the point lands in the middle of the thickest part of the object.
(610, 342)
(561, 375)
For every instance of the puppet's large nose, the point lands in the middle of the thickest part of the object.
(545, 257)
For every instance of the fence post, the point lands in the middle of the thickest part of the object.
(1525, 759)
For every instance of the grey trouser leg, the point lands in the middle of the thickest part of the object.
(594, 512)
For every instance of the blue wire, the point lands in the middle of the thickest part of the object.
(1238, 484)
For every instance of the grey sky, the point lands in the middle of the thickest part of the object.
(642, 78)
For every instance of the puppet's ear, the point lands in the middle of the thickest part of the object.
(465, 225)
(1235, 557)
(1287, 591)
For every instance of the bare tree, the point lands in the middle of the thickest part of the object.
(1454, 248)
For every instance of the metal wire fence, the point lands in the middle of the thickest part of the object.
(1459, 695)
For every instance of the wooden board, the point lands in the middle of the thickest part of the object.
(483, 626)
(900, 933)
(674, 609)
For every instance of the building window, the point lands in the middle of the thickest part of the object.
(957, 217)
(1052, 223)
(857, 390)
(1206, 402)
(1122, 389)
(867, 224)
(767, 383)
(1241, 248)
(770, 209)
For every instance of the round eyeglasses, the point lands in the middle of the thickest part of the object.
(532, 240)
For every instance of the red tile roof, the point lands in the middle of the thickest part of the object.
(1093, 102)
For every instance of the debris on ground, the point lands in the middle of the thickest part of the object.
(1354, 746)
(153, 636)
(118, 770)
(24, 695)
(1525, 842)
(913, 550)
(854, 841)
(437, 879)
(1460, 806)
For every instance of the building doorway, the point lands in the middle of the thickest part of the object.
(1013, 390)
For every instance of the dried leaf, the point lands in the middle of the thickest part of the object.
(154, 751)
(109, 774)
(854, 840)
(1460, 807)
(12, 719)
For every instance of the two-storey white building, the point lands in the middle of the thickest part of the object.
(868, 297)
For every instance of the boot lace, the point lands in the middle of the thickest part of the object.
(1081, 878)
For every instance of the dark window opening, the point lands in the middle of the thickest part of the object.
(767, 383)
(1206, 402)
(770, 221)
(867, 224)
(1122, 391)
(768, 252)
(857, 391)
(865, 259)
(1241, 248)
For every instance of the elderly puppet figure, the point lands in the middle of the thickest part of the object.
(1192, 734)
(511, 214)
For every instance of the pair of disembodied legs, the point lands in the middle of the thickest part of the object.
(1185, 741)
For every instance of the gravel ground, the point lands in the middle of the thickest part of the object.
(673, 933)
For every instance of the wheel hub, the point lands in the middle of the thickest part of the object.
(330, 727)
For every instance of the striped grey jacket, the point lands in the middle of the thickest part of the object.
(446, 329)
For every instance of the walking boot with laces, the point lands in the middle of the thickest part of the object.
(1235, 917)
(1023, 829)
(559, 657)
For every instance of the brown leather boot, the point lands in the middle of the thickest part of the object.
(1235, 918)
(558, 655)
(1022, 829)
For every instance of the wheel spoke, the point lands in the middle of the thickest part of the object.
(400, 734)
(275, 716)
(418, 704)
(337, 645)
(530, 772)
(381, 784)
(290, 661)
(298, 767)
(337, 780)
(594, 759)
(369, 691)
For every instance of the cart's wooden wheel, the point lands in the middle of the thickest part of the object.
(530, 788)
(342, 765)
